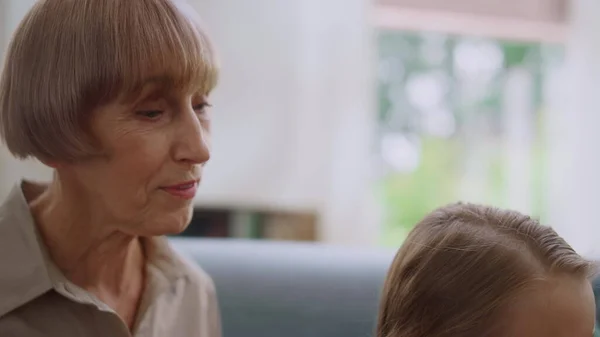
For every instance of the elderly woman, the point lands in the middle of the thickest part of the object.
(113, 96)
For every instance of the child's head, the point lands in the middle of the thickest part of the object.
(476, 271)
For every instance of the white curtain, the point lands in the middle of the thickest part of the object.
(294, 110)
(574, 137)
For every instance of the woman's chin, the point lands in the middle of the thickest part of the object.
(171, 229)
(167, 224)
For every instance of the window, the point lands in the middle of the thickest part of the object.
(460, 119)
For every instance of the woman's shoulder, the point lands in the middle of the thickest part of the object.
(191, 288)
(175, 264)
(196, 274)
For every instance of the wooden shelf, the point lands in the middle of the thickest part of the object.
(233, 223)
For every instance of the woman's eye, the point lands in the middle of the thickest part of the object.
(150, 114)
(201, 108)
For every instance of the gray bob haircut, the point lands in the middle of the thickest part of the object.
(69, 57)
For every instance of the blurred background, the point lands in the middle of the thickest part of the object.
(346, 121)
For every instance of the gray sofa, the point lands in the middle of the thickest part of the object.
(271, 289)
(279, 289)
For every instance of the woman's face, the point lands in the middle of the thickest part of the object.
(155, 149)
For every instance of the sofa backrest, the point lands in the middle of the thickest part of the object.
(270, 289)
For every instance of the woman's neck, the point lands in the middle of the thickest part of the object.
(90, 252)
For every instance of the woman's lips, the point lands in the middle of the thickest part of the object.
(185, 190)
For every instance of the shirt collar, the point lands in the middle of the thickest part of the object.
(24, 275)
(28, 271)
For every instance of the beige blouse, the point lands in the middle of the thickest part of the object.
(37, 300)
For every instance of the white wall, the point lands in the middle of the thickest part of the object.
(293, 113)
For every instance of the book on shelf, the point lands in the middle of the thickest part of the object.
(252, 225)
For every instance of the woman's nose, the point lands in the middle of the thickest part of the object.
(193, 140)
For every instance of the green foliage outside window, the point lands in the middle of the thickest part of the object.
(407, 195)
